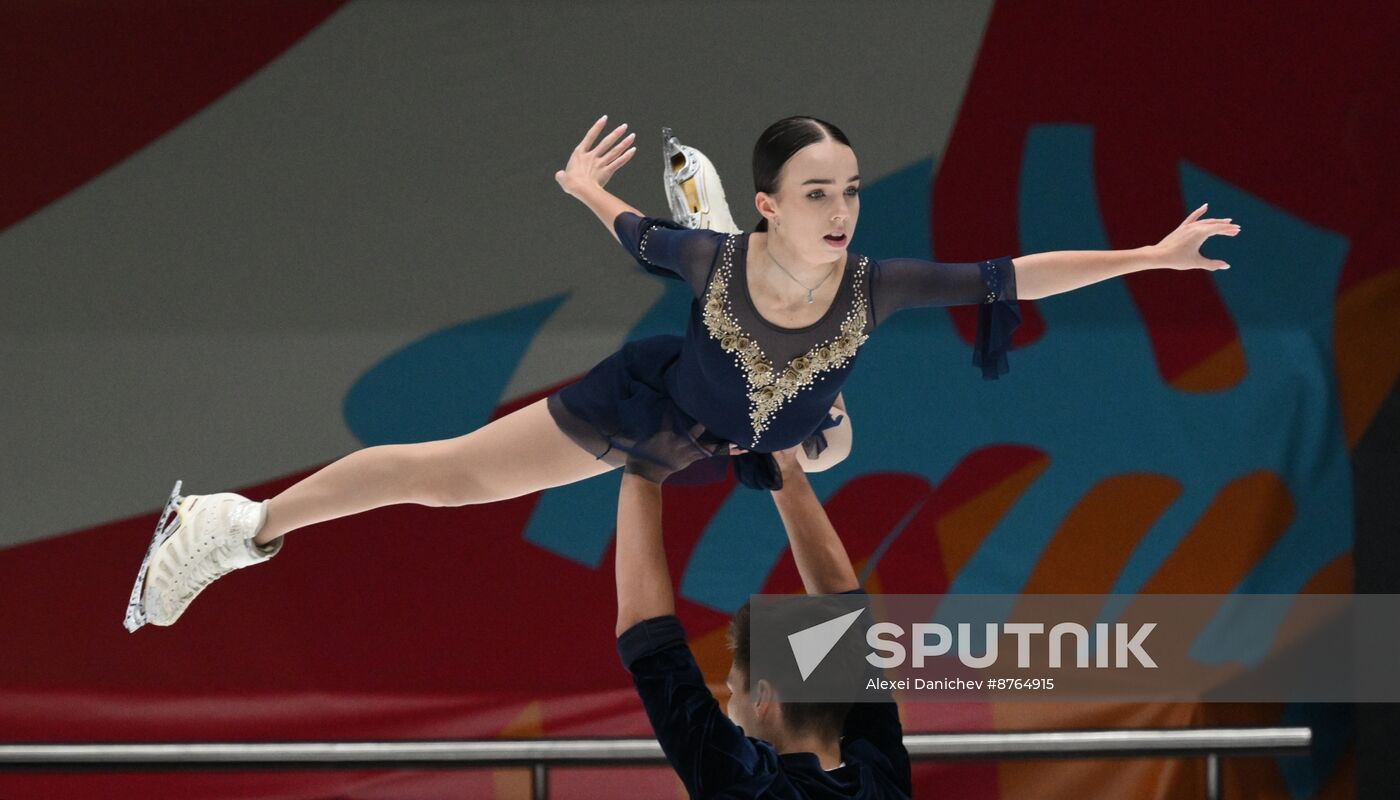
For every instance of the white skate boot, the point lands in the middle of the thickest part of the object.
(693, 188)
(211, 536)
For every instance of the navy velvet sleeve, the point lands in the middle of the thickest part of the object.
(873, 731)
(672, 251)
(900, 283)
(706, 749)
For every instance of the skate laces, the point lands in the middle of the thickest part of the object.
(212, 566)
(232, 519)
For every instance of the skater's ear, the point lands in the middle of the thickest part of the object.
(767, 208)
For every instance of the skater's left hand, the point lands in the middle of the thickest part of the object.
(594, 165)
(1181, 248)
(787, 460)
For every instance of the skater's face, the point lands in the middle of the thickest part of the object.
(741, 709)
(817, 203)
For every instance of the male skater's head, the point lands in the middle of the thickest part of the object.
(756, 701)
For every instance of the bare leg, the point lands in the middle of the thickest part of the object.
(517, 454)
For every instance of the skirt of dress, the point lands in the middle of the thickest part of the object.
(622, 413)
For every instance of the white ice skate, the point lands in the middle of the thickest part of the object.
(210, 536)
(693, 188)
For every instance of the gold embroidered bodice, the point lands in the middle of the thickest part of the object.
(770, 382)
(767, 387)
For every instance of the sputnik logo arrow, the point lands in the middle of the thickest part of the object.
(811, 645)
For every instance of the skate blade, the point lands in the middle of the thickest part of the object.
(673, 173)
(165, 528)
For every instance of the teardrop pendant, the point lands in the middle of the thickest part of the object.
(809, 297)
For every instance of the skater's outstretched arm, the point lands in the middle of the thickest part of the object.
(907, 283)
(707, 750)
(821, 557)
(644, 589)
(899, 283)
(826, 568)
(590, 168)
(1044, 274)
(660, 246)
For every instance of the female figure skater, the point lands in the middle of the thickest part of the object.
(779, 317)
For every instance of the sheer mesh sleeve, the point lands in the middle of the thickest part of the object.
(672, 251)
(900, 283)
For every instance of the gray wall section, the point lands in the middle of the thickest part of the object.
(200, 309)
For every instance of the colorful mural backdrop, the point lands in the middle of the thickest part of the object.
(239, 240)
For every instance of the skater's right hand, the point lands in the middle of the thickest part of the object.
(593, 165)
(1181, 249)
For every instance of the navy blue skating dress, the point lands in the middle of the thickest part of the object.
(660, 404)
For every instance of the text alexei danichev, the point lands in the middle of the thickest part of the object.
(906, 684)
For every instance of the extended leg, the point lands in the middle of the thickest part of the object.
(213, 535)
(517, 454)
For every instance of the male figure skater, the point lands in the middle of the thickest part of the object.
(792, 750)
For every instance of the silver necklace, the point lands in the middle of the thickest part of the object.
(809, 289)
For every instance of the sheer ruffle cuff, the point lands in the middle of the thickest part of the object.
(815, 444)
(997, 318)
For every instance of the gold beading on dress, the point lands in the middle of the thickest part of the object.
(769, 388)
